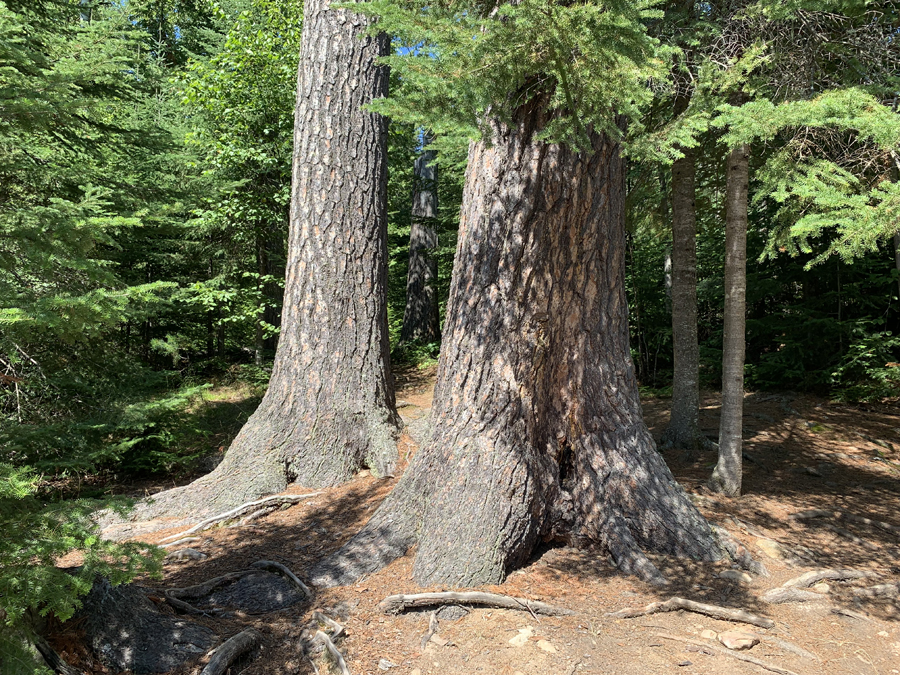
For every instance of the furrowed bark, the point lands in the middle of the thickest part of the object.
(329, 409)
(420, 319)
(538, 432)
(726, 477)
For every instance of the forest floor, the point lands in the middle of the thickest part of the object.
(801, 453)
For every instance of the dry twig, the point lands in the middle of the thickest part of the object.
(674, 604)
(394, 604)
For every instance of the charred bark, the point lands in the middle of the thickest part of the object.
(726, 477)
(329, 409)
(420, 318)
(538, 432)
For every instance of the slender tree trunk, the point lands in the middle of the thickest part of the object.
(329, 409)
(726, 477)
(420, 319)
(262, 268)
(897, 258)
(683, 431)
(538, 432)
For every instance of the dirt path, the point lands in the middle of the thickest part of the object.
(802, 453)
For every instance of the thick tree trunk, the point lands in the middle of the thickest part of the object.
(420, 319)
(726, 477)
(683, 431)
(538, 432)
(329, 409)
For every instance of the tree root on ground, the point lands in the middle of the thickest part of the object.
(394, 604)
(781, 595)
(174, 595)
(229, 651)
(832, 574)
(848, 517)
(331, 623)
(790, 647)
(238, 511)
(739, 553)
(183, 540)
(878, 591)
(675, 604)
(433, 626)
(52, 659)
(721, 650)
(278, 568)
(334, 651)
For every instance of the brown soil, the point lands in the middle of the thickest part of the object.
(802, 453)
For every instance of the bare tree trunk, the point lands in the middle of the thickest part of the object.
(538, 432)
(897, 258)
(329, 409)
(683, 431)
(420, 319)
(726, 477)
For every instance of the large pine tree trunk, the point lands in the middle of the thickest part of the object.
(538, 432)
(329, 409)
(726, 477)
(420, 319)
(683, 431)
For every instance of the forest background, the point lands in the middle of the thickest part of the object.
(145, 153)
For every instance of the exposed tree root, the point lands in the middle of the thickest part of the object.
(878, 591)
(278, 568)
(778, 596)
(433, 626)
(183, 540)
(331, 623)
(175, 595)
(229, 651)
(811, 514)
(675, 604)
(842, 611)
(253, 516)
(721, 650)
(834, 574)
(241, 510)
(627, 555)
(790, 647)
(335, 653)
(739, 553)
(394, 604)
(54, 660)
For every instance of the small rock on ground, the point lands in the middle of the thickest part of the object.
(738, 639)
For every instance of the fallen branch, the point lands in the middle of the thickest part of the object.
(394, 604)
(721, 650)
(833, 574)
(335, 653)
(432, 629)
(674, 604)
(278, 568)
(228, 652)
(241, 510)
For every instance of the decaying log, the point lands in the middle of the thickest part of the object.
(721, 650)
(229, 651)
(675, 604)
(335, 653)
(833, 574)
(278, 568)
(394, 604)
(275, 500)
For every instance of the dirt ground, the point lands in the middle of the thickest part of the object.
(801, 453)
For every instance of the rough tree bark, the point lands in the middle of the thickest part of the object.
(726, 477)
(420, 319)
(329, 409)
(538, 432)
(683, 431)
